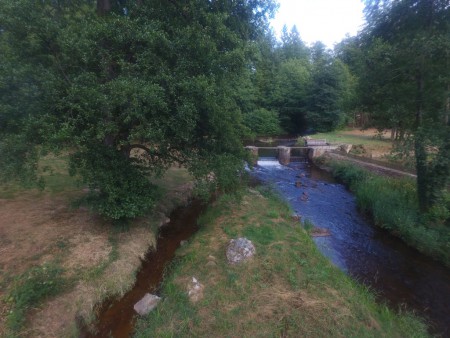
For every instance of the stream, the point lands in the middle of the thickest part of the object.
(398, 274)
(116, 316)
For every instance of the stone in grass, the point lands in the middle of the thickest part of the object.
(296, 217)
(146, 304)
(240, 250)
(195, 290)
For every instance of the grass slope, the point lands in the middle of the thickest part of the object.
(392, 203)
(287, 290)
(57, 262)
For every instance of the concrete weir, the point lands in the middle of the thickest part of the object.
(316, 151)
(284, 153)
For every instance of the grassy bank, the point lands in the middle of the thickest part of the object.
(287, 290)
(392, 203)
(366, 143)
(57, 262)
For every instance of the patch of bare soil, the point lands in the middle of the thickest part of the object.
(99, 261)
(37, 229)
(368, 133)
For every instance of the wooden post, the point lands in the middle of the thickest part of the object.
(284, 155)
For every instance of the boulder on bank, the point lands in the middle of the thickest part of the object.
(240, 250)
(146, 304)
(346, 147)
(162, 219)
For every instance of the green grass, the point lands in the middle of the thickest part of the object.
(341, 136)
(364, 143)
(392, 203)
(288, 288)
(29, 290)
(55, 177)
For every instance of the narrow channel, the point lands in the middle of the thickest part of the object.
(116, 316)
(398, 274)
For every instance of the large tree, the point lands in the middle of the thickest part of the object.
(330, 90)
(127, 89)
(406, 80)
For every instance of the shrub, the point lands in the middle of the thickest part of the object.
(29, 289)
(263, 122)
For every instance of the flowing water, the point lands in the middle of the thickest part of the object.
(398, 274)
(116, 316)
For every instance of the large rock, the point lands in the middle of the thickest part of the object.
(240, 250)
(163, 220)
(146, 304)
(346, 147)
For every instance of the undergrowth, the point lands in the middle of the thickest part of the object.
(29, 290)
(392, 204)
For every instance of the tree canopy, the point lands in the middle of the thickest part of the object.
(405, 83)
(126, 91)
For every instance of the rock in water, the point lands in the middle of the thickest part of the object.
(146, 304)
(240, 250)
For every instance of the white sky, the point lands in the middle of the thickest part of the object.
(320, 20)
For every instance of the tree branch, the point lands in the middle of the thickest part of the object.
(152, 152)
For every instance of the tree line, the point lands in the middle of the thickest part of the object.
(129, 88)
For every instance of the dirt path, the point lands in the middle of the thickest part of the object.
(373, 167)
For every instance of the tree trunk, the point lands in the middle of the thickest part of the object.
(103, 6)
(419, 149)
(393, 133)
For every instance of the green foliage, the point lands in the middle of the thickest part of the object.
(401, 61)
(263, 122)
(127, 96)
(331, 90)
(293, 81)
(29, 289)
(118, 189)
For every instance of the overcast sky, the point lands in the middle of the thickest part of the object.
(325, 20)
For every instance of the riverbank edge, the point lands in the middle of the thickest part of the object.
(432, 242)
(78, 291)
(177, 198)
(288, 289)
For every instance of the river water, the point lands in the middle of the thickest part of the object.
(399, 275)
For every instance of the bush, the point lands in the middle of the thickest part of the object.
(29, 289)
(263, 122)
